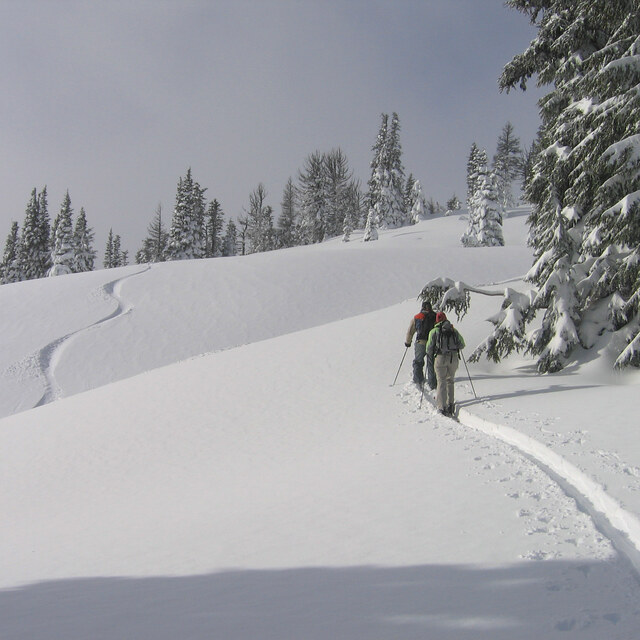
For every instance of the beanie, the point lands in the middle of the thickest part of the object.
(440, 317)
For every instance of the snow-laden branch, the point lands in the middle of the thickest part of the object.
(509, 323)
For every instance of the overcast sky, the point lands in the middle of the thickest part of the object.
(114, 101)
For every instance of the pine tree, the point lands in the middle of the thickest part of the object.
(288, 221)
(84, 253)
(62, 255)
(312, 195)
(585, 228)
(416, 202)
(30, 246)
(214, 224)
(371, 227)
(398, 212)
(154, 246)
(507, 165)
(109, 261)
(453, 204)
(186, 236)
(46, 238)
(485, 212)
(260, 231)
(387, 182)
(117, 251)
(379, 154)
(10, 265)
(408, 202)
(477, 159)
(230, 241)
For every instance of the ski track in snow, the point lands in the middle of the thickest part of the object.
(49, 356)
(620, 527)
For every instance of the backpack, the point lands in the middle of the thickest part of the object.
(424, 323)
(447, 339)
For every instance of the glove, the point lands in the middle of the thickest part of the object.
(407, 344)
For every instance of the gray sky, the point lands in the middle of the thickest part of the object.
(114, 100)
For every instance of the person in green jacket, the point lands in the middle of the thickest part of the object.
(443, 349)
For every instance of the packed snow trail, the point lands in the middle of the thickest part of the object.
(619, 526)
(49, 356)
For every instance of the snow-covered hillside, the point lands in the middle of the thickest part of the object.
(214, 449)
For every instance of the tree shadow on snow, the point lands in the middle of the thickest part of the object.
(525, 601)
(554, 388)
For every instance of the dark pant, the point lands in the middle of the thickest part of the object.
(420, 351)
(418, 366)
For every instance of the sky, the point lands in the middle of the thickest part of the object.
(115, 100)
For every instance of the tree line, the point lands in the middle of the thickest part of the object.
(324, 201)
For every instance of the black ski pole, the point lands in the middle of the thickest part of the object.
(469, 375)
(421, 395)
(400, 367)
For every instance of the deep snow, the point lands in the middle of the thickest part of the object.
(214, 449)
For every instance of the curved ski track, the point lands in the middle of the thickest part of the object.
(49, 356)
(610, 518)
(620, 526)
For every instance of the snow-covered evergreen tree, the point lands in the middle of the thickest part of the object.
(154, 246)
(387, 182)
(10, 265)
(214, 225)
(453, 204)
(585, 228)
(585, 188)
(477, 159)
(408, 188)
(230, 241)
(507, 165)
(260, 230)
(312, 199)
(416, 202)
(485, 218)
(30, 244)
(117, 251)
(44, 261)
(107, 263)
(84, 253)
(63, 254)
(287, 228)
(379, 154)
(371, 227)
(186, 236)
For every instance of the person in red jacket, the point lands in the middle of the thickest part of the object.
(421, 325)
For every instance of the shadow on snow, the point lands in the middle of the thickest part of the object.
(528, 600)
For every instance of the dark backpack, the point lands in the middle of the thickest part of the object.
(447, 339)
(425, 321)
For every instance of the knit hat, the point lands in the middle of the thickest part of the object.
(440, 317)
(426, 306)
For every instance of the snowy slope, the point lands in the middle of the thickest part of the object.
(220, 454)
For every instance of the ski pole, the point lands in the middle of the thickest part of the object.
(469, 375)
(400, 367)
(421, 395)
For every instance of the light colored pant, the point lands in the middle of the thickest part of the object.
(446, 366)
